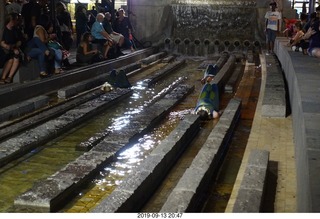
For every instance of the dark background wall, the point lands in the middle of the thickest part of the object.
(206, 19)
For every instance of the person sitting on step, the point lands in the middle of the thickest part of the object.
(10, 52)
(85, 52)
(100, 36)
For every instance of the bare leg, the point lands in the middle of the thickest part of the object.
(121, 41)
(316, 53)
(14, 67)
(107, 48)
(6, 69)
(271, 46)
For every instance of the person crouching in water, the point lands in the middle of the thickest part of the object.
(208, 102)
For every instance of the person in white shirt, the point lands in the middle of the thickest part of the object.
(273, 18)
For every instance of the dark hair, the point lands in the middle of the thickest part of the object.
(313, 15)
(11, 17)
(273, 4)
(303, 16)
(85, 37)
(60, 7)
(203, 115)
(298, 25)
(79, 8)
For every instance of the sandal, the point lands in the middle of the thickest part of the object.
(8, 80)
(58, 71)
(43, 74)
(2, 81)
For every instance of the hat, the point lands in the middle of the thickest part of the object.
(274, 4)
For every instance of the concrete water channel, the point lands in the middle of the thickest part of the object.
(134, 125)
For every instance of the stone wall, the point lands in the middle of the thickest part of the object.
(241, 20)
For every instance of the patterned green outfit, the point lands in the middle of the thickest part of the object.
(209, 97)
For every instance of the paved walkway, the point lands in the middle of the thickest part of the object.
(276, 136)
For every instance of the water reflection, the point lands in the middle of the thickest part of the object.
(119, 123)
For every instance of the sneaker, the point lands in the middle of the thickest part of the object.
(293, 48)
(300, 49)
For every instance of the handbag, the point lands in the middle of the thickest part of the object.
(54, 44)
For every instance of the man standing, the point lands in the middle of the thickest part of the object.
(273, 18)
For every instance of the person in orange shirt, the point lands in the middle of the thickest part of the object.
(289, 31)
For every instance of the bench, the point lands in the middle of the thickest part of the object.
(250, 195)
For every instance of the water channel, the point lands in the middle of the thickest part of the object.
(20, 175)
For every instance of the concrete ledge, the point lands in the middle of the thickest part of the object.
(250, 195)
(230, 86)
(27, 72)
(153, 58)
(303, 75)
(187, 193)
(225, 73)
(21, 109)
(158, 75)
(76, 88)
(274, 99)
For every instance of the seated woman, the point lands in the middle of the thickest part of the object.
(38, 48)
(10, 49)
(85, 53)
(208, 101)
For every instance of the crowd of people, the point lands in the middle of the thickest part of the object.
(303, 33)
(31, 32)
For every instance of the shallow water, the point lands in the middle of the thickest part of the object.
(20, 175)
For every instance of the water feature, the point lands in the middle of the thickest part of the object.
(214, 21)
(19, 176)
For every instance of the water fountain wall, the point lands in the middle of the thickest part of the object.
(200, 21)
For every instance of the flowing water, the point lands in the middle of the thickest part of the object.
(19, 176)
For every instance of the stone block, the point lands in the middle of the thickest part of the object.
(40, 101)
(178, 201)
(248, 201)
(27, 72)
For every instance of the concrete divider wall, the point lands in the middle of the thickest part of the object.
(145, 178)
(188, 193)
(274, 99)
(303, 75)
(225, 73)
(251, 191)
